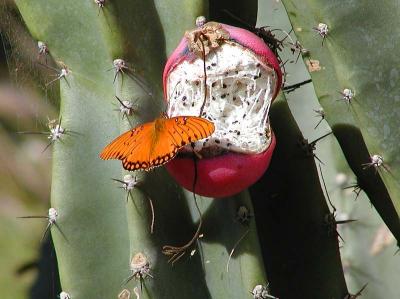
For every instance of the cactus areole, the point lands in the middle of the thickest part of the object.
(229, 76)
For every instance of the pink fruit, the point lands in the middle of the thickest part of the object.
(243, 78)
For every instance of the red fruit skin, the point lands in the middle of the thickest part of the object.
(224, 175)
(230, 173)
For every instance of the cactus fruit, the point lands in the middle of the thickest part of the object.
(229, 76)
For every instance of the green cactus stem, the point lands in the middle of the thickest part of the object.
(357, 87)
(103, 240)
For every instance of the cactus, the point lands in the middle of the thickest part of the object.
(83, 193)
(110, 226)
(359, 98)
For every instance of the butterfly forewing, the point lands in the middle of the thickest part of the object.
(154, 144)
(124, 144)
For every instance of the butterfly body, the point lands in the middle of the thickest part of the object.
(155, 143)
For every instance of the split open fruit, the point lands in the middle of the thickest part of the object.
(234, 89)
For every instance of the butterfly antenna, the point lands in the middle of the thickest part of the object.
(205, 76)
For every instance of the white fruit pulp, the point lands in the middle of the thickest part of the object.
(239, 94)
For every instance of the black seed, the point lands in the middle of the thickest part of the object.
(244, 115)
(217, 141)
(238, 132)
(223, 96)
(223, 85)
(235, 122)
(234, 98)
(184, 98)
(213, 98)
(193, 104)
(213, 64)
(184, 104)
(208, 67)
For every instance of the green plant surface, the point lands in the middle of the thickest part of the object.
(367, 125)
(363, 261)
(93, 246)
(97, 231)
(229, 249)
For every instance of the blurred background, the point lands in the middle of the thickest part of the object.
(28, 265)
(25, 170)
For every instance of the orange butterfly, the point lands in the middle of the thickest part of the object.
(155, 143)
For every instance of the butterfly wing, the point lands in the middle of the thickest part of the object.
(154, 144)
(177, 132)
(187, 129)
(135, 141)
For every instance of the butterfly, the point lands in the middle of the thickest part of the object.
(155, 143)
